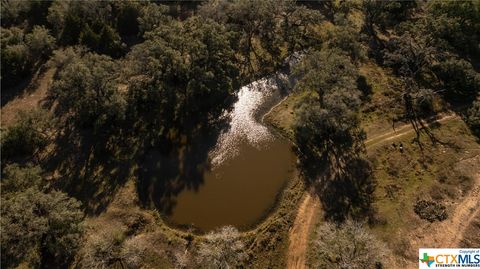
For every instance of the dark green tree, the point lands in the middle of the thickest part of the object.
(263, 28)
(40, 43)
(152, 16)
(386, 14)
(89, 38)
(328, 137)
(459, 79)
(185, 72)
(326, 127)
(455, 24)
(38, 227)
(88, 94)
(31, 133)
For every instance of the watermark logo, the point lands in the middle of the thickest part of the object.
(428, 260)
(449, 258)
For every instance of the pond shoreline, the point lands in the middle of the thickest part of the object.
(280, 86)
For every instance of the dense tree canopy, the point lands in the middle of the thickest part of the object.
(326, 126)
(136, 77)
(262, 28)
(172, 86)
(42, 228)
(328, 136)
(88, 94)
(21, 52)
(455, 24)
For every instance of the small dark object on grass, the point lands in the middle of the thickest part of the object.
(401, 147)
(430, 210)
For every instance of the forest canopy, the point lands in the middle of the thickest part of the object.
(129, 78)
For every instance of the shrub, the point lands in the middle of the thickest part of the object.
(430, 210)
(459, 78)
(349, 245)
(29, 134)
(39, 42)
(42, 229)
(221, 249)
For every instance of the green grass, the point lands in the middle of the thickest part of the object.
(282, 116)
(402, 178)
(431, 173)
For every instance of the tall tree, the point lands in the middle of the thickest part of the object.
(88, 94)
(184, 71)
(264, 30)
(326, 127)
(38, 227)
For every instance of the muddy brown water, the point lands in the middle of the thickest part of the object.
(240, 191)
(248, 167)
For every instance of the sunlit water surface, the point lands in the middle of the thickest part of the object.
(249, 167)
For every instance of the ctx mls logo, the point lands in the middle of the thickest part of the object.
(428, 260)
(449, 258)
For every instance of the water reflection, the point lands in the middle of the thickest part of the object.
(227, 178)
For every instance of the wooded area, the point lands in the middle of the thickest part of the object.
(132, 76)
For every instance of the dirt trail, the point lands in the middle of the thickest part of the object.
(299, 234)
(449, 233)
(28, 100)
(404, 130)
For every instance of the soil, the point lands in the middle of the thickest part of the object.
(403, 130)
(446, 234)
(449, 233)
(299, 234)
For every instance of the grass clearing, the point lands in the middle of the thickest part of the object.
(431, 173)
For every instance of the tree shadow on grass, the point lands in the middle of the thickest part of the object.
(348, 193)
(88, 169)
(25, 84)
(345, 192)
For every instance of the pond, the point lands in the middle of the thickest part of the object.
(247, 168)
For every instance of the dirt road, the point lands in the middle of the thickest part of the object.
(449, 233)
(299, 234)
(403, 130)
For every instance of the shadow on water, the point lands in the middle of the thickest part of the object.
(162, 176)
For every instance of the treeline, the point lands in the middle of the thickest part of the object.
(431, 47)
(131, 76)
